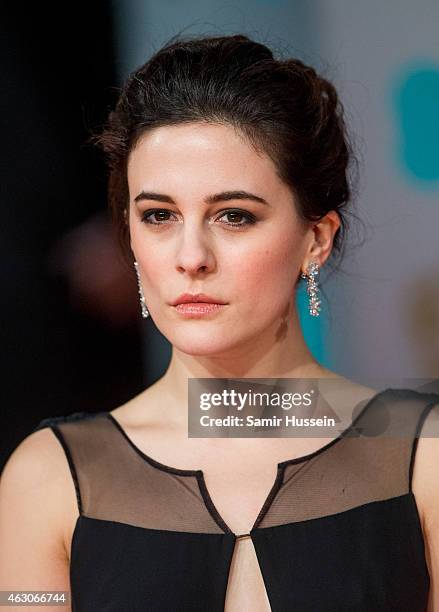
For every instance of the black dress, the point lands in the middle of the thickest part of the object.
(339, 530)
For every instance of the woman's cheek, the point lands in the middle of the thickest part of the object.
(272, 265)
(260, 286)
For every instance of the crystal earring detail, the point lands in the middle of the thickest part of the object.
(145, 312)
(312, 289)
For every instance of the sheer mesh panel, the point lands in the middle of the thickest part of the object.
(355, 471)
(116, 482)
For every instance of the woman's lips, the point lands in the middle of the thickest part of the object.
(197, 309)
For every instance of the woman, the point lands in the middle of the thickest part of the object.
(228, 183)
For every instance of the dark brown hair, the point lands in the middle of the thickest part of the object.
(281, 106)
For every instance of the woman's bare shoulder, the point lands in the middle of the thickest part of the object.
(35, 461)
(35, 474)
(35, 501)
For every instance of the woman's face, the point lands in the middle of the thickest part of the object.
(244, 252)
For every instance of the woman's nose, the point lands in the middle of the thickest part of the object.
(194, 253)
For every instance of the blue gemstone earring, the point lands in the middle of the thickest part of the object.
(311, 274)
(145, 312)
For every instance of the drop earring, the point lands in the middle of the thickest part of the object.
(145, 312)
(312, 288)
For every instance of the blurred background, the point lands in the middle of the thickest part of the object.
(72, 336)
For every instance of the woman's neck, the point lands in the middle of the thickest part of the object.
(288, 356)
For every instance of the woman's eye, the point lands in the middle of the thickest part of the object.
(233, 214)
(158, 211)
(234, 217)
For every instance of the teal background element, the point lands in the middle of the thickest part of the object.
(416, 104)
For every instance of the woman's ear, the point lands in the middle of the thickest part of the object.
(324, 232)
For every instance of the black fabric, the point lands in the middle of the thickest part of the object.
(339, 530)
(368, 558)
(120, 567)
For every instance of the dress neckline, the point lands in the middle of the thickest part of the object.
(199, 474)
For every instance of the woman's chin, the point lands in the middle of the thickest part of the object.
(199, 343)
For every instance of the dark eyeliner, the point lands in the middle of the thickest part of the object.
(248, 216)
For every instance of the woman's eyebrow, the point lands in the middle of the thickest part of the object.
(212, 199)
